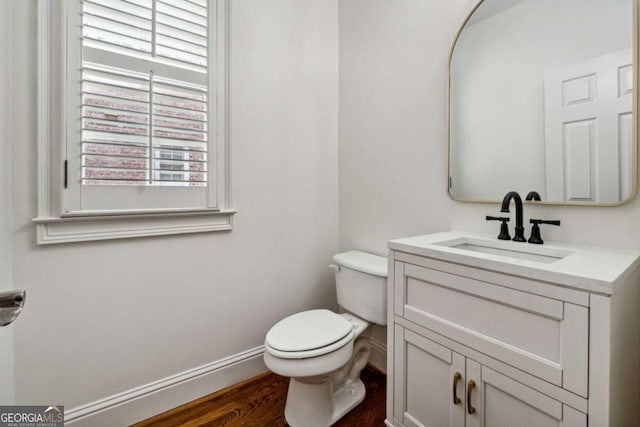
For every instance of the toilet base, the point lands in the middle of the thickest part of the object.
(317, 406)
(345, 400)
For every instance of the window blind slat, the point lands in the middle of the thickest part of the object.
(181, 56)
(113, 75)
(179, 124)
(111, 182)
(175, 22)
(179, 177)
(179, 89)
(115, 40)
(114, 150)
(108, 114)
(175, 180)
(142, 3)
(120, 17)
(178, 135)
(184, 104)
(161, 164)
(116, 92)
(118, 139)
(184, 144)
(119, 174)
(177, 154)
(178, 113)
(113, 103)
(173, 9)
(188, 6)
(115, 162)
(202, 3)
(181, 34)
(119, 8)
(185, 46)
(114, 127)
(114, 27)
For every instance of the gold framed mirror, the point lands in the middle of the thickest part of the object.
(541, 98)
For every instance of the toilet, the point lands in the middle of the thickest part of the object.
(324, 352)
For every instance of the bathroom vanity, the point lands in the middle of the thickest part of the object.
(485, 332)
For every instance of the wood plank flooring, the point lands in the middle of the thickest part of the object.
(259, 402)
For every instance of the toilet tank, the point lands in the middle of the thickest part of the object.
(361, 285)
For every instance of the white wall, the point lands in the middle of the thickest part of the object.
(393, 144)
(108, 316)
(497, 93)
(393, 68)
(392, 120)
(6, 273)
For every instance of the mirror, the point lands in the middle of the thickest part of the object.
(541, 98)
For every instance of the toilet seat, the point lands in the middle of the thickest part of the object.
(309, 334)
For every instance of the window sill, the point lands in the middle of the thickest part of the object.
(51, 230)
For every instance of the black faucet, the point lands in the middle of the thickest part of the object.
(519, 236)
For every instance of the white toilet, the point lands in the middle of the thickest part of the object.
(323, 352)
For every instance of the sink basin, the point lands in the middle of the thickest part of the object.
(507, 249)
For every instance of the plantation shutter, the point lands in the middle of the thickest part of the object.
(145, 98)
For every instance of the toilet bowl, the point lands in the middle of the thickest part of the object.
(324, 352)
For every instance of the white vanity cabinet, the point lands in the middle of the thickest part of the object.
(478, 337)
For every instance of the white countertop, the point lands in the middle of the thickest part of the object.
(586, 268)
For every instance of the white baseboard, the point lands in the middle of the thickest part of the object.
(378, 358)
(142, 402)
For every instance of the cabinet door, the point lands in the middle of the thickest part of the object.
(499, 401)
(427, 378)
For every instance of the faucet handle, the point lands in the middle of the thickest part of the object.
(535, 230)
(504, 229)
(533, 195)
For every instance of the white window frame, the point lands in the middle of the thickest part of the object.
(53, 224)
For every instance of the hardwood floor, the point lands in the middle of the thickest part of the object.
(259, 402)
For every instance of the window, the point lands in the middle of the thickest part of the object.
(132, 126)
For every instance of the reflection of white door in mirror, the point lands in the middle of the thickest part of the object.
(588, 129)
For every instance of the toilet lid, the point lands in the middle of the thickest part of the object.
(308, 330)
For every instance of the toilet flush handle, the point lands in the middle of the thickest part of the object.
(334, 267)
